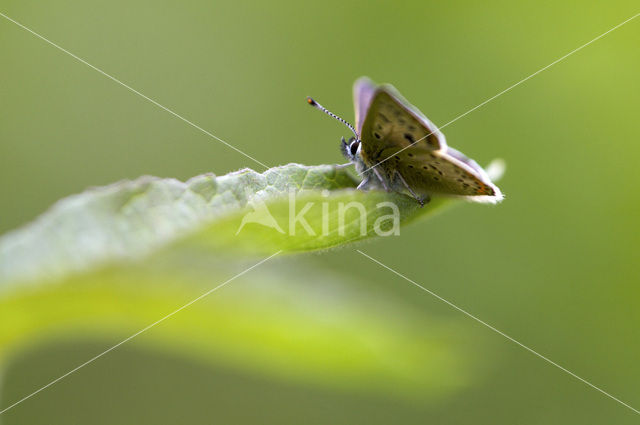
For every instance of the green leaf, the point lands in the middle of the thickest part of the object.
(110, 261)
(283, 320)
(131, 219)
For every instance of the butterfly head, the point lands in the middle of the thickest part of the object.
(350, 149)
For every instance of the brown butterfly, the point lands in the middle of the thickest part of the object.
(397, 148)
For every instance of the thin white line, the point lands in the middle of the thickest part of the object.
(136, 334)
(133, 90)
(499, 332)
(507, 89)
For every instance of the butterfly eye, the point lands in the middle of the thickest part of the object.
(353, 147)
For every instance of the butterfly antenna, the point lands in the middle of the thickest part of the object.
(316, 105)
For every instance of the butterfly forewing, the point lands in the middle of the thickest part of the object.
(363, 91)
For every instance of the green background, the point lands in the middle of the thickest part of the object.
(555, 266)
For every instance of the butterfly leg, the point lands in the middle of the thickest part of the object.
(364, 184)
(420, 200)
(341, 166)
(383, 181)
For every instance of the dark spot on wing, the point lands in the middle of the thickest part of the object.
(410, 155)
(436, 169)
(384, 118)
(376, 135)
(409, 137)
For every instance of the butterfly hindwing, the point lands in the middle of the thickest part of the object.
(435, 172)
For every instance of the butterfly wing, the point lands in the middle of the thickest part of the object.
(390, 107)
(363, 91)
(448, 173)
(398, 137)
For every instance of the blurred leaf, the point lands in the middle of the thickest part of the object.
(297, 323)
(118, 258)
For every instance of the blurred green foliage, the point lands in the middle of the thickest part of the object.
(555, 266)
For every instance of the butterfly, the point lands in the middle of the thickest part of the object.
(397, 148)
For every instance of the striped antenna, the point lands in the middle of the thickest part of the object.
(316, 105)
